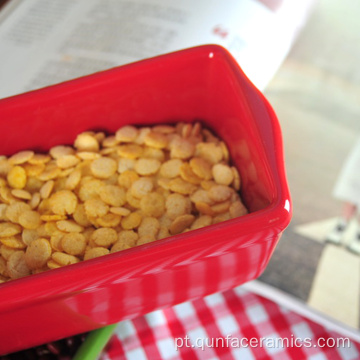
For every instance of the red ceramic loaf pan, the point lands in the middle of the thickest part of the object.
(202, 83)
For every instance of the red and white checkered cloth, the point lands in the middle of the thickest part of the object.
(216, 326)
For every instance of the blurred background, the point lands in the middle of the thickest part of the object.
(316, 95)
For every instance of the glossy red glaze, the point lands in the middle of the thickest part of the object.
(200, 83)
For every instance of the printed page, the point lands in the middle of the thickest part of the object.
(45, 42)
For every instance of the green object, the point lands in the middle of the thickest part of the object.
(95, 343)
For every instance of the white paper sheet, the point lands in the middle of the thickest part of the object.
(44, 42)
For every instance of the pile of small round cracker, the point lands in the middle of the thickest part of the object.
(109, 193)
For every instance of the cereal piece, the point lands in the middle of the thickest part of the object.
(55, 241)
(181, 148)
(50, 228)
(63, 202)
(100, 136)
(121, 211)
(207, 184)
(69, 226)
(201, 195)
(95, 208)
(3, 208)
(29, 235)
(201, 221)
(141, 187)
(127, 178)
(163, 233)
(50, 172)
(119, 246)
(73, 243)
(152, 204)
(147, 166)
(52, 217)
(21, 194)
(67, 161)
(21, 157)
(38, 253)
(104, 167)
(64, 259)
(113, 195)
(4, 166)
(237, 181)
(165, 221)
(237, 208)
(13, 242)
(177, 205)
(59, 184)
(220, 193)
(110, 141)
(109, 220)
(33, 185)
(201, 167)
(164, 183)
(3, 270)
(209, 136)
(39, 159)
(30, 219)
(107, 150)
(112, 180)
(61, 150)
(196, 130)
(132, 200)
(95, 252)
(145, 239)
(186, 130)
(17, 177)
(6, 252)
(156, 140)
(182, 187)
(44, 208)
(210, 152)
(73, 179)
(34, 169)
(153, 153)
(90, 189)
(16, 265)
(149, 226)
(46, 189)
(222, 174)
(86, 142)
(5, 195)
(51, 264)
(130, 151)
(181, 223)
(126, 133)
(80, 216)
(131, 221)
(222, 207)
(204, 208)
(128, 237)
(14, 210)
(84, 167)
(88, 155)
(188, 175)
(221, 217)
(164, 129)
(225, 150)
(171, 168)
(125, 164)
(104, 237)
